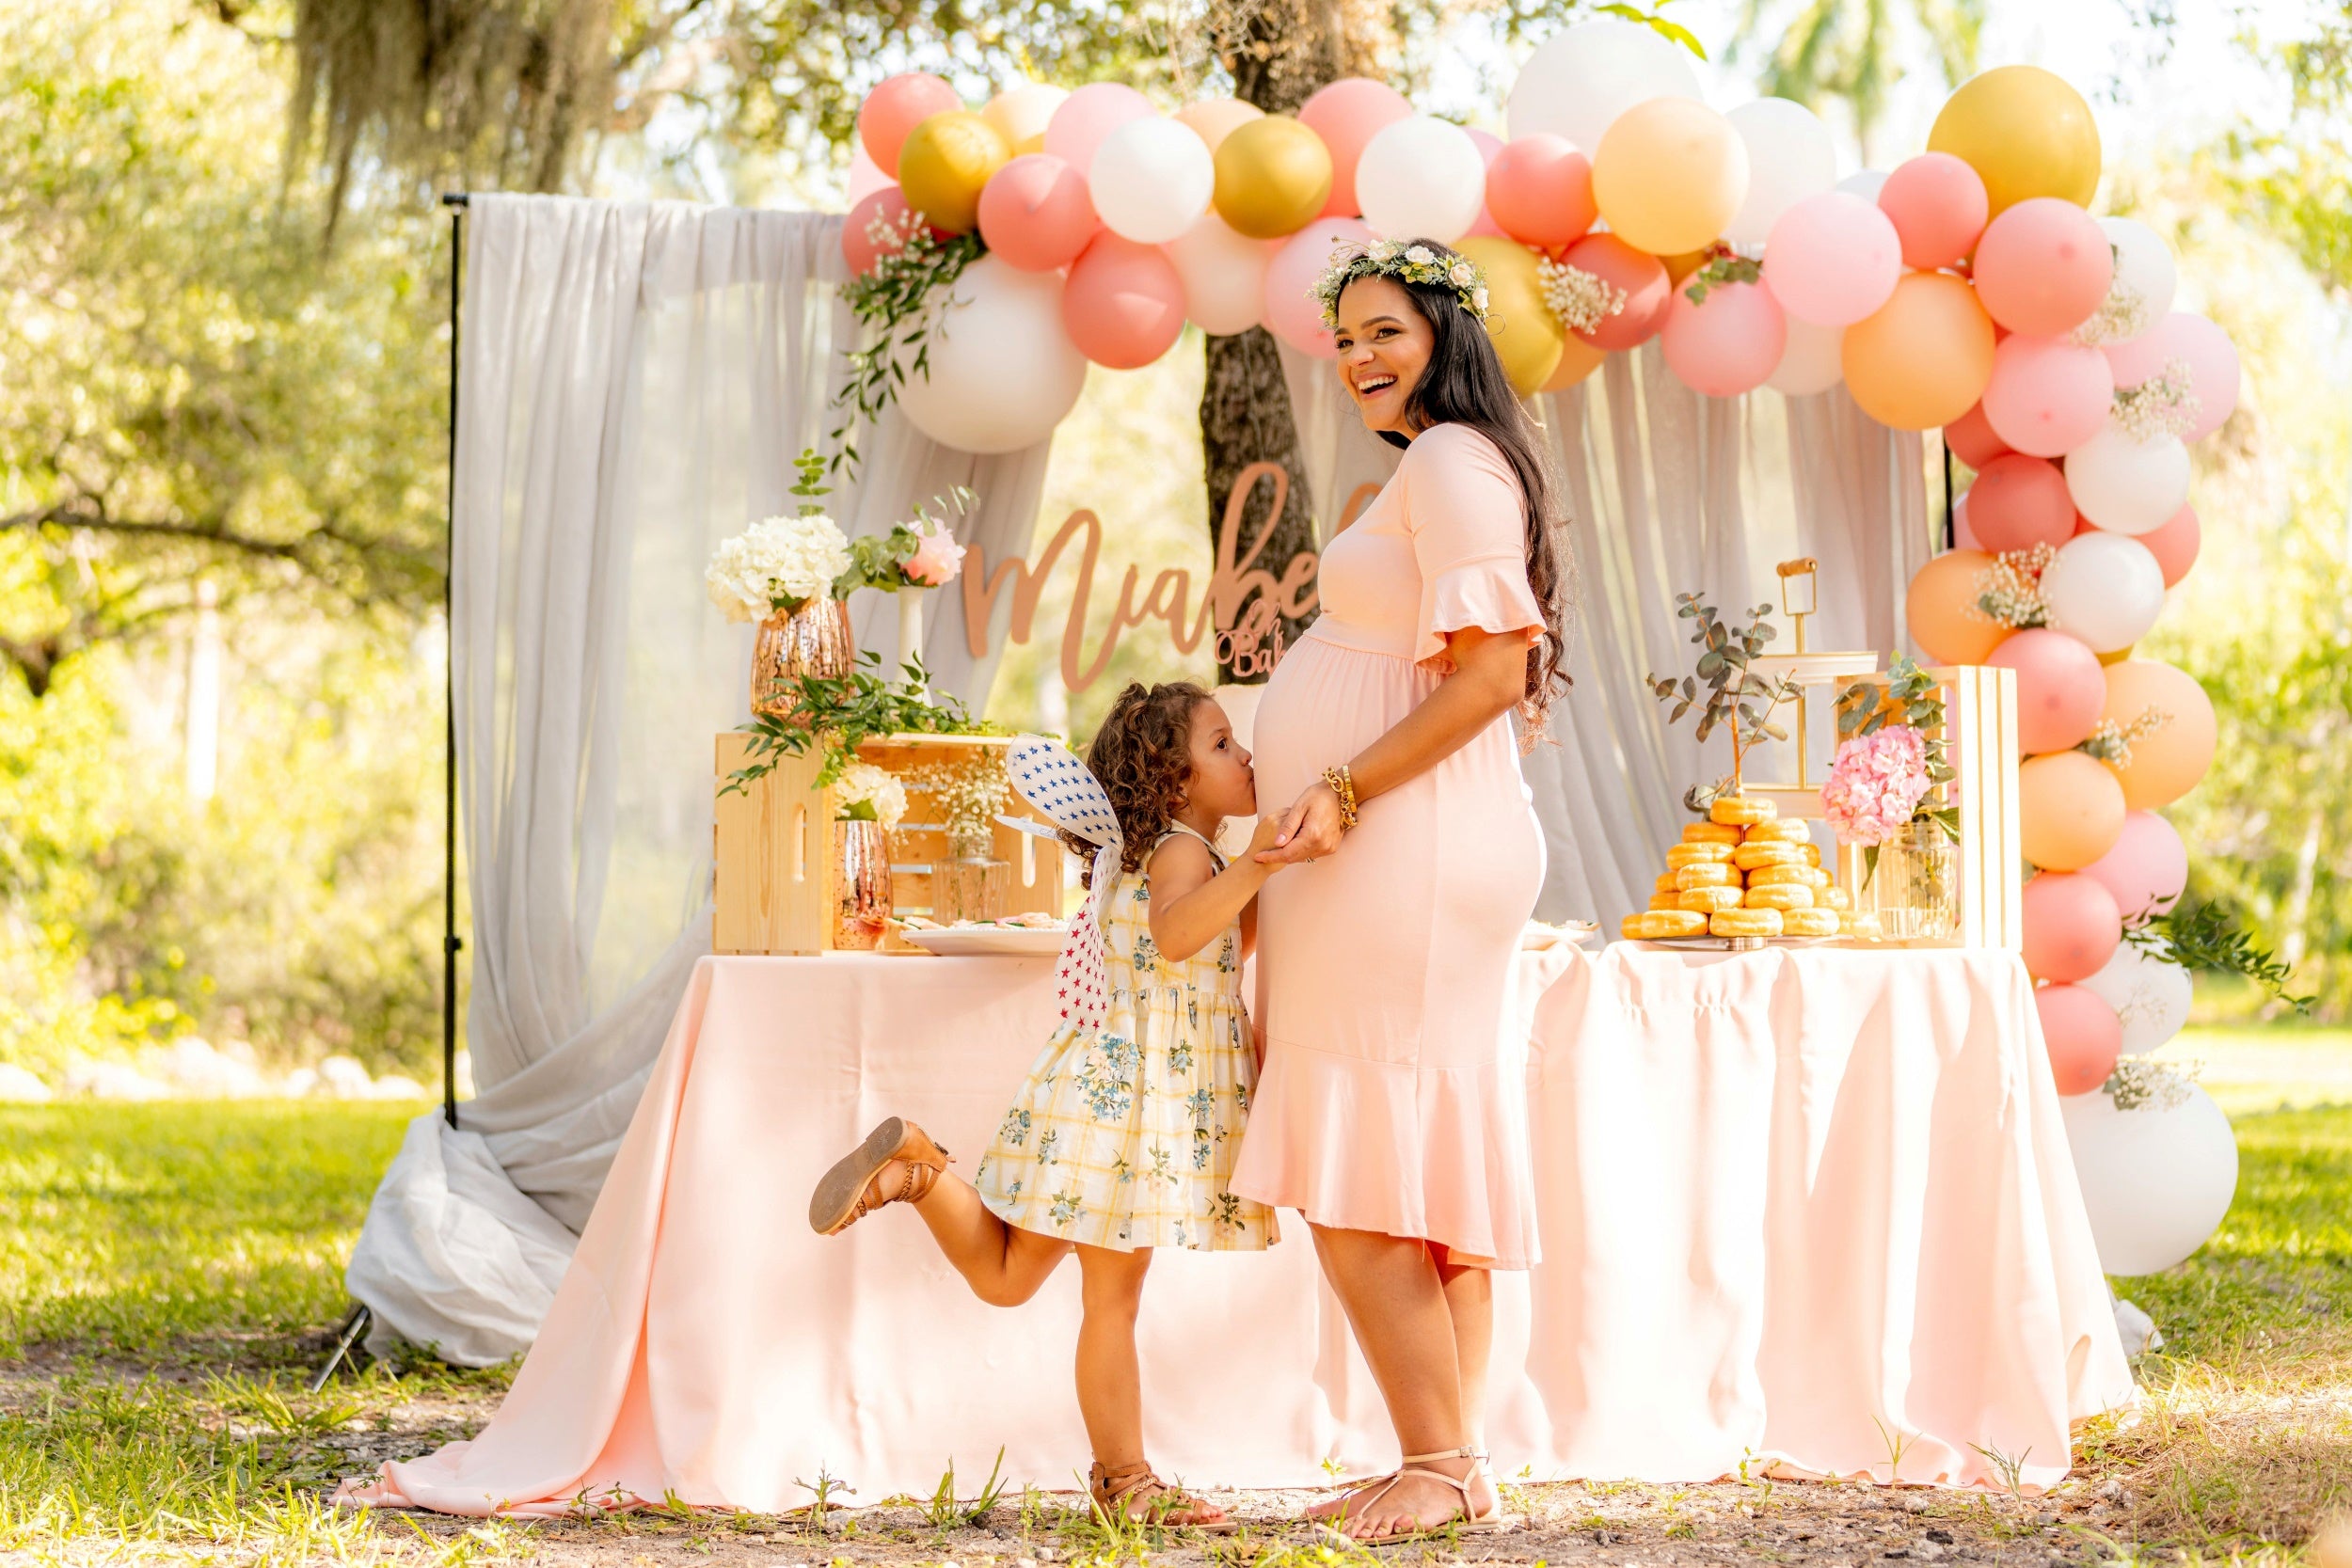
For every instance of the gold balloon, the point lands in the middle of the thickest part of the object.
(1213, 119)
(1577, 359)
(1273, 176)
(1669, 174)
(1528, 337)
(2117, 656)
(1020, 114)
(945, 161)
(1922, 359)
(2025, 133)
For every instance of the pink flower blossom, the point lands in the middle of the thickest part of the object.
(1876, 785)
(938, 560)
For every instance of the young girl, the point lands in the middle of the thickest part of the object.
(1124, 1135)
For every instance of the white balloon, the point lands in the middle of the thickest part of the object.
(1152, 179)
(1864, 184)
(1421, 178)
(2151, 995)
(1224, 276)
(1790, 156)
(1003, 371)
(1809, 362)
(2127, 487)
(2156, 1180)
(1579, 81)
(2104, 589)
(2144, 271)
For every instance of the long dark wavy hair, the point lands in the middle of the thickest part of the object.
(1142, 757)
(1463, 384)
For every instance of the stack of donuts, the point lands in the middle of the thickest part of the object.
(1745, 872)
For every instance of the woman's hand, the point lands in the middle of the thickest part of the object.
(1312, 831)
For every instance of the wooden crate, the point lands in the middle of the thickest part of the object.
(773, 889)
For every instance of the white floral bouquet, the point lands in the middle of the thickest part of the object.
(776, 565)
(865, 793)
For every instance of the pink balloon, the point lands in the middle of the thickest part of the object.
(1648, 293)
(2212, 367)
(2061, 686)
(2046, 396)
(2148, 868)
(1488, 146)
(2084, 1036)
(1937, 204)
(2174, 545)
(896, 105)
(1036, 214)
(1727, 345)
(1346, 115)
(1124, 304)
(1291, 313)
(2043, 267)
(1963, 531)
(1833, 259)
(2018, 502)
(860, 243)
(1541, 189)
(1085, 118)
(2071, 926)
(1971, 438)
(866, 178)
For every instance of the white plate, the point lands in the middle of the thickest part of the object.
(956, 942)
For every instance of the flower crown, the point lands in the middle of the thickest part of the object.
(1413, 262)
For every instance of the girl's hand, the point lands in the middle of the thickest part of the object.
(1312, 831)
(1269, 832)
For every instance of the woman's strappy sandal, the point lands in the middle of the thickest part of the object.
(1465, 1523)
(1137, 1494)
(853, 1188)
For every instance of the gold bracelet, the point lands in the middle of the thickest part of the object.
(1343, 786)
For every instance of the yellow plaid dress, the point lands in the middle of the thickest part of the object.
(1124, 1136)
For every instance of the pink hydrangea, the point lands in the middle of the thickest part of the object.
(1876, 784)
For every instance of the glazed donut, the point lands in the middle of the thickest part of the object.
(1666, 882)
(1745, 922)
(1864, 925)
(1742, 810)
(1780, 830)
(1769, 876)
(1707, 900)
(1666, 900)
(1681, 855)
(1809, 922)
(1710, 833)
(1779, 895)
(1673, 922)
(1755, 857)
(1836, 898)
(1706, 874)
(1631, 926)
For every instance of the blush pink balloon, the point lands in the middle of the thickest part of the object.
(2061, 688)
(1963, 531)
(1291, 313)
(896, 105)
(1727, 345)
(2148, 868)
(1489, 147)
(2212, 367)
(2043, 267)
(859, 246)
(1082, 121)
(2047, 396)
(2071, 926)
(865, 177)
(1123, 305)
(1036, 214)
(1937, 205)
(1971, 439)
(2083, 1033)
(1648, 293)
(2174, 543)
(1346, 115)
(2019, 501)
(1833, 259)
(1541, 189)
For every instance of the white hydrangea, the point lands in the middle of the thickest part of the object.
(871, 794)
(776, 563)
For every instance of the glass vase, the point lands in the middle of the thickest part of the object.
(1915, 890)
(814, 641)
(861, 874)
(968, 884)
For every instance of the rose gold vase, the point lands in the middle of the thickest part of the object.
(814, 639)
(861, 871)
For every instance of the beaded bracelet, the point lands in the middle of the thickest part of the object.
(1343, 786)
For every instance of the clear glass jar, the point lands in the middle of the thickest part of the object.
(1914, 889)
(969, 884)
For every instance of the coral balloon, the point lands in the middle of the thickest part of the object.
(1729, 344)
(1346, 116)
(1791, 155)
(1669, 175)
(1213, 119)
(2071, 926)
(1577, 359)
(1152, 181)
(2025, 133)
(1941, 609)
(2128, 487)
(1541, 190)
(2043, 267)
(1579, 81)
(2148, 868)
(1642, 278)
(1003, 371)
(1124, 303)
(1034, 212)
(2018, 502)
(1273, 176)
(1923, 359)
(946, 163)
(896, 105)
(1833, 260)
(2168, 764)
(2083, 1033)
(1292, 312)
(1420, 178)
(1224, 276)
(2174, 545)
(1528, 337)
(876, 227)
(1809, 361)
(1086, 117)
(1971, 439)
(2061, 688)
(2046, 397)
(1022, 114)
(2070, 810)
(1938, 208)
(2105, 589)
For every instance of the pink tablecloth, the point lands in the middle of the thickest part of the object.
(1787, 1198)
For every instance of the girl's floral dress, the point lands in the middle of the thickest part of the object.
(1124, 1136)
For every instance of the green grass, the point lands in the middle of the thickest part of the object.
(2269, 1067)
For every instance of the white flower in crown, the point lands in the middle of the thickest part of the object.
(1420, 256)
(1460, 275)
(1478, 302)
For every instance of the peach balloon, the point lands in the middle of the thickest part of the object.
(1291, 313)
(2018, 502)
(1941, 609)
(2166, 763)
(1085, 118)
(2071, 926)
(1642, 276)
(1346, 115)
(1971, 439)
(896, 105)
(1215, 118)
(1923, 359)
(2060, 687)
(2070, 810)
(1669, 174)
(1541, 190)
(1728, 344)
(2044, 267)
(2174, 545)
(1577, 359)
(1938, 207)
(1124, 304)
(1021, 115)
(2046, 396)
(1034, 212)
(1833, 259)
(2084, 1034)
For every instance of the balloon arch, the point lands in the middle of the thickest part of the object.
(1968, 289)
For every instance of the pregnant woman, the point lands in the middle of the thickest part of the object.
(1392, 1108)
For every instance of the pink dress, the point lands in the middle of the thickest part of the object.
(1393, 1099)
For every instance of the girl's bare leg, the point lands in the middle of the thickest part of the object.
(1110, 1381)
(1003, 1263)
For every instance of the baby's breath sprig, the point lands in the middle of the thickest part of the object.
(1582, 300)
(2111, 742)
(2123, 314)
(2008, 591)
(2162, 404)
(2138, 1082)
(1413, 262)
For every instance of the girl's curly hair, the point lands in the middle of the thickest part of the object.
(1142, 757)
